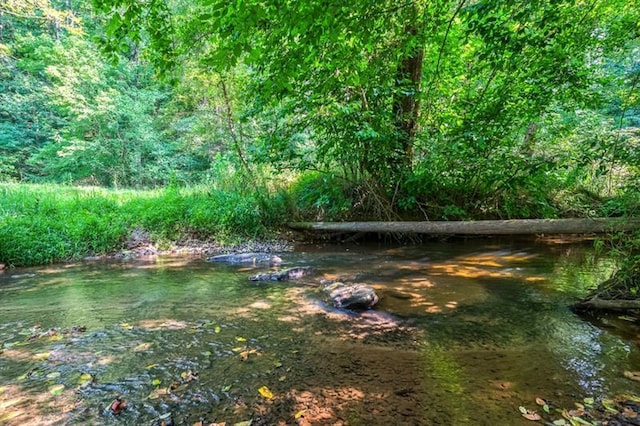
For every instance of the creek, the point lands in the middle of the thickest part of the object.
(466, 332)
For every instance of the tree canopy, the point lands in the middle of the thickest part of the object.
(454, 108)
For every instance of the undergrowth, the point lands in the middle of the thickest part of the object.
(41, 224)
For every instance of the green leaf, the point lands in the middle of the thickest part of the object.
(56, 389)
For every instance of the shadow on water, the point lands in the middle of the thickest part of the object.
(465, 333)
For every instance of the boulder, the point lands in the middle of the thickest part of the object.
(351, 296)
(253, 258)
(285, 274)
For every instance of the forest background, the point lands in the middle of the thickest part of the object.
(224, 120)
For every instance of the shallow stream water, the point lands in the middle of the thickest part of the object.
(466, 332)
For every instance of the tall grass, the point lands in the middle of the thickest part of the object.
(48, 223)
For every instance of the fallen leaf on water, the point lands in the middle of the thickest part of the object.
(156, 382)
(541, 402)
(247, 423)
(143, 347)
(533, 416)
(245, 354)
(118, 405)
(528, 414)
(157, 393)
(576, 413)
(53, 375)
(299, 414)
(198, 424)
(56, 389)
(126, 326)
(561, 422)
(609, 405)
(188, 376)
(85, 379)
(150, 366)
(42, 356)
(217, 329)
(264, 391)
(629, 413)
(633, 375)
(241, 339)
(589, 401)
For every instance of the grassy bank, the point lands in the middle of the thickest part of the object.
(41, 224)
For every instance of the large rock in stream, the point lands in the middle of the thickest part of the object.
(253, 258)
(285, 274)
(351, 296)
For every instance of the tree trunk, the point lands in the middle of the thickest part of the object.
(406, 102)
(481, 227)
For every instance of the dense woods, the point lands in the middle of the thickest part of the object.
(375, 110)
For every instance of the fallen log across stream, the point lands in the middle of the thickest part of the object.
(595, 303)
(481, 227)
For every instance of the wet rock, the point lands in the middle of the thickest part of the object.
(351, 296)
(254, 258)
(285, 274)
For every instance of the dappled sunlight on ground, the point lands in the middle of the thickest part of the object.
(19, 406)
(160, 324)
(260, 304)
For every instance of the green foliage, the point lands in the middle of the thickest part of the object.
(50, 223)
(373, 109)
(44, 224)
(317, 196)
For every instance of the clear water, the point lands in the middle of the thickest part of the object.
(465, 333)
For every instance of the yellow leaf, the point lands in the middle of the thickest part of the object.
(241, 339)
(126, 325)
(85, 379)
(42, 356)
(264, 391)
(217, 329)
(299, 414)
(150, 366)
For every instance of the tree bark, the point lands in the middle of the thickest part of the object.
(481, 227)
(406, 102)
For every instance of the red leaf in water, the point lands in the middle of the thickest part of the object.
(118, 405)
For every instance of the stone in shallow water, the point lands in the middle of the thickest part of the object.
(285, 274)
(254, 258)
(352, 296)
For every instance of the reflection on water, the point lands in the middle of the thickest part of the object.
(465, 333)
